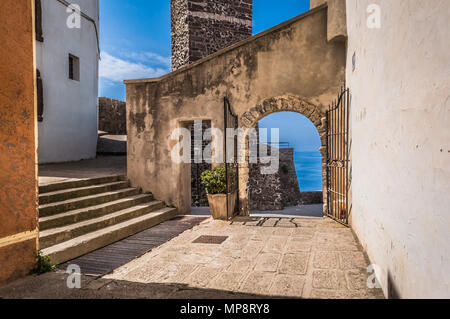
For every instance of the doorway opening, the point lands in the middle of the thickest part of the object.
(199, 164)
(296, 188)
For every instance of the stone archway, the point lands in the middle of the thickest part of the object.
(285, 103)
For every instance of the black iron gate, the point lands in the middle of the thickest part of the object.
(338, 161)
(231, 159)
(198, 191)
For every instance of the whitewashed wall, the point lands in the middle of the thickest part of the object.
(69, 129)
(401, 142)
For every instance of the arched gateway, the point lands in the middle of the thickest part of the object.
(295, 66)
(285, 103)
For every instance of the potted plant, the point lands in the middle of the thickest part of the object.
(216, 187)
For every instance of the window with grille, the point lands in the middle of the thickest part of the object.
(74, 68)
(38, 20)
(40, 96)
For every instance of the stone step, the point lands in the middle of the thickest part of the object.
(83, 202)
(56, 236)
(70, 193)
(81, 245)
(79, 215)
(74, 183)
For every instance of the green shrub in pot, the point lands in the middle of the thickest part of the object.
(215, 181)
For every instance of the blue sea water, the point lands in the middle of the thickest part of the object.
(308, 166)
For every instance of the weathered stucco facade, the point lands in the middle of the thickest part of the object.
(291, 67)
(69, 127)
(18, 173)
(399, 75)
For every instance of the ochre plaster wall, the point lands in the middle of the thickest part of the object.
(18, 177)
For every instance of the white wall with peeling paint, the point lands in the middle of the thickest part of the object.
(69, 129)
(400, 90)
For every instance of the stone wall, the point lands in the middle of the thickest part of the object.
(203, 27)
(279, 190)
(265, 191)
(288, 176)
(311, 198)
(180, 33)
(112, 116)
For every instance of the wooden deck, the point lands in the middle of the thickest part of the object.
(106, 259)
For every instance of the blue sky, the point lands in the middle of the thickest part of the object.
(135, 43)
(135, 37)
(295, 128)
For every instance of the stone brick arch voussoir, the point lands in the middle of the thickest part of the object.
(285, 103)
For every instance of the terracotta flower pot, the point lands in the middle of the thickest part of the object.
(218, 205)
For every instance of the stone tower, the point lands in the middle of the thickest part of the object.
(202, 27)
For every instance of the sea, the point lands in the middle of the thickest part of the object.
(308, 166)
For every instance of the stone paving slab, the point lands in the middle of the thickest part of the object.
(112, 144)
(53, 286)
(308, 211)
(314, 259)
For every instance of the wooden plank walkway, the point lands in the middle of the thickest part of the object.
(104, 260)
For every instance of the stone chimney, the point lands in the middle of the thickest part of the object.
(203, 27)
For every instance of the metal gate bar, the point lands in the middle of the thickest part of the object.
(198, 192)
(337, 145)
(231, 165)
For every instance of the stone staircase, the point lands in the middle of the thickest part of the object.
(77, 217)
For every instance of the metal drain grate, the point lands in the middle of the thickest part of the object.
(215, 240)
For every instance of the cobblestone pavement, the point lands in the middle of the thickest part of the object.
(276, 257)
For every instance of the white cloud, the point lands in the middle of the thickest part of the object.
(149, 57)
(117, 70)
